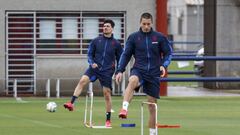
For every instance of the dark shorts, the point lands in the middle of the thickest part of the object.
(104, 77)
(150, 83)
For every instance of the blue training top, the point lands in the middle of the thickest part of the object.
(150, 50)
(104, 51)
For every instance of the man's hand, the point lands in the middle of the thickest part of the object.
(163, 71)
(118, 78)
(94, 65)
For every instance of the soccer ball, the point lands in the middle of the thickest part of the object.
(51, 107)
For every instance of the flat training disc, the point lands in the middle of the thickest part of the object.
(128, 125)
(167, 126)
(103, 127)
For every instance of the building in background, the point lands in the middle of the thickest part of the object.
(45, 44)
(48, 39)
(185, 18)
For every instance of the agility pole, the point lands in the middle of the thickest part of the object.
(89, 110)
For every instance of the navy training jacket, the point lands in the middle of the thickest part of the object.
(150, 50)
(104, 51)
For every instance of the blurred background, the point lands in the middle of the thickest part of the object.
(43, 43)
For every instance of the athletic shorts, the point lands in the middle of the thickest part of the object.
(104, 77)
(150, 83)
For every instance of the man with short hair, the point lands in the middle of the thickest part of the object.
(152, 53)
(103, 51)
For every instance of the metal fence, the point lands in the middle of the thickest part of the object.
(45, 33)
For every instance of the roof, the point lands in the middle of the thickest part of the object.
(194, 2)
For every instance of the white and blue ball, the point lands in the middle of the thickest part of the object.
(51, 107)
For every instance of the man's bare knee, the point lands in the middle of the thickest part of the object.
(107, 94)
(151, 107)
(84, 80)
(133, 80)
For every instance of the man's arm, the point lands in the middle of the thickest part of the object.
(118, 52)
(124, 59)
(91, 53)
(166, 48)
(126, 55)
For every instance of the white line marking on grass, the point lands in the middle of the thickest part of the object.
(30, 120)
(19, 100)
(37, 122)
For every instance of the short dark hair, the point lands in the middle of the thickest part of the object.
(109, 21)
(146, 16)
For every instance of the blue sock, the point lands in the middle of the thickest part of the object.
(73, 99)
(108, 116)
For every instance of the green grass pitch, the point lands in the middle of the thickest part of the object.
(197, 116)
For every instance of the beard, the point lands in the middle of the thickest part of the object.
(107, 32)
(146, 30)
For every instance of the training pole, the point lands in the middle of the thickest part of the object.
(89, 95)
(89, 110)
(142, 119)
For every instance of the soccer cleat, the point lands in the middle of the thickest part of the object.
(69, 106)
(123, 114)
(108, 123)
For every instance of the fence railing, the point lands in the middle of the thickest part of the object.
(119, 90)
